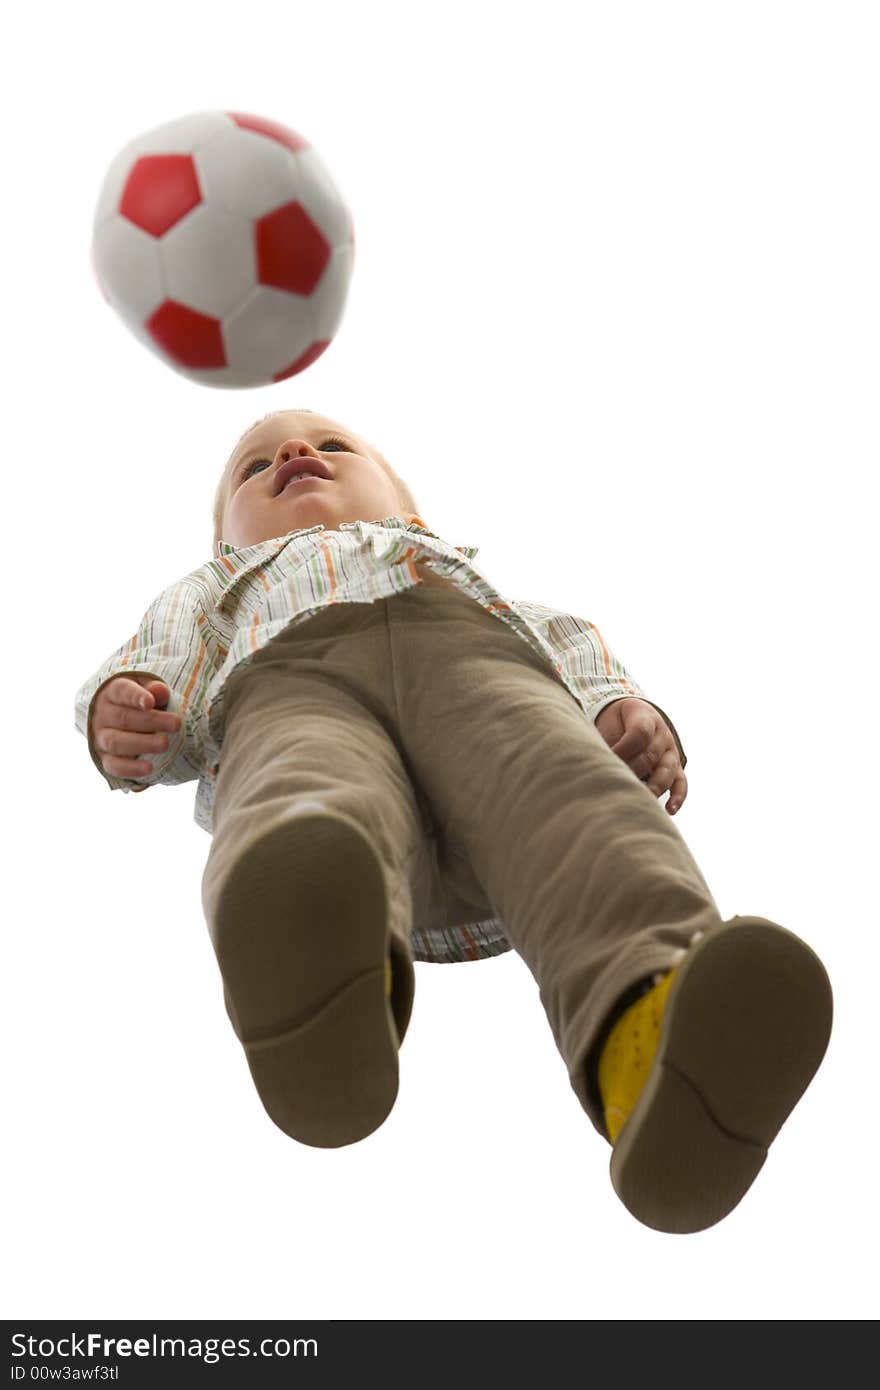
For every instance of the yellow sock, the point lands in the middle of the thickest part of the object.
(628, 1053)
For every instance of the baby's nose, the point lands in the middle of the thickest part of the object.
(292, 448)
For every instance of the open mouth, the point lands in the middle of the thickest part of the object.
(299, 478)
(300, 471)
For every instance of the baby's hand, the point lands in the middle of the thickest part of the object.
(123, 730)
(639, 736)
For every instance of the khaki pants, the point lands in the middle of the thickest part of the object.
(483, 789)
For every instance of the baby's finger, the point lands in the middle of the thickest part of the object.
(662, 778)
(127, 697)
(153, 693)
(678, 793)
(122, 744)
(126, 767)
(129, 693)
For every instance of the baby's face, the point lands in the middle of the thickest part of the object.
(356, 487)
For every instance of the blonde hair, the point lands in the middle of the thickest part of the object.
(404, 494)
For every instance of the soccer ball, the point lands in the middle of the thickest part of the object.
(222, 242)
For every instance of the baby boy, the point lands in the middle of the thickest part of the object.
(398, 763)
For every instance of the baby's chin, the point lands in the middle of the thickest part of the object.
(306, 512)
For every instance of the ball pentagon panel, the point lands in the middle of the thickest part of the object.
(292, 251)
(159, 192)
(186, 337)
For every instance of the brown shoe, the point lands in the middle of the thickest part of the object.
(301, 935)
(745, 1025)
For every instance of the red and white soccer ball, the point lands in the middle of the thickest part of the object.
(222, 242)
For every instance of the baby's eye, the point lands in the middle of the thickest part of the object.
(246, 472)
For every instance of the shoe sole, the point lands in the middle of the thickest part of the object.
(301, 937)
(745, 1027)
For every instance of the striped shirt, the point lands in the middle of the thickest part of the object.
(200, 629)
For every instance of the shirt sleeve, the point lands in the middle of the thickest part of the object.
(168, 646)
(589, 663)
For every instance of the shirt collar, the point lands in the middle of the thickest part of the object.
(395, 522)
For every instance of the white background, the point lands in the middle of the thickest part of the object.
(616, 264)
